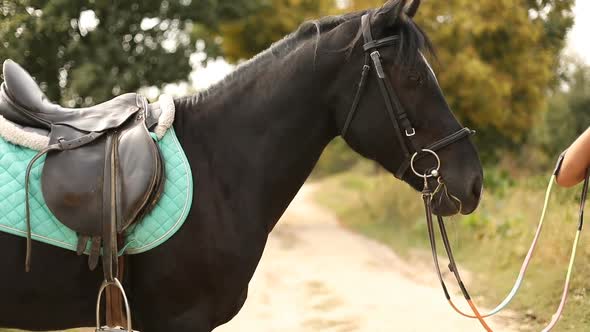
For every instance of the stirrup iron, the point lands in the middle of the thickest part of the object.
(115, 283)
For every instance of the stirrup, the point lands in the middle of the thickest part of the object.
(117, 284)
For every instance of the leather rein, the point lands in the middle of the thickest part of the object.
(427, 195)
(405, 132)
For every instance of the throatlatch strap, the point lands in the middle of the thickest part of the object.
(357, 97)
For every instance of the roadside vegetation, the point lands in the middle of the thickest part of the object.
(491, 243)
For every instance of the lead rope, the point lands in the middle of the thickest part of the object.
(525, 264)
(570, 269)
(427, 197)
(454, 269)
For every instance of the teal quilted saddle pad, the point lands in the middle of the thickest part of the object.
(155, 228)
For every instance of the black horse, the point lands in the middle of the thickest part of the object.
(252, 140)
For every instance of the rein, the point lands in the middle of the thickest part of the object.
(405, 132)
(427, 195)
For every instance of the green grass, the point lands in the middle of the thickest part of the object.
(492, 242)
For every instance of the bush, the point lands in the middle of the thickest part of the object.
(337, 157)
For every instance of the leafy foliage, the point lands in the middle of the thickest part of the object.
(498, 59)
(336, 158)
(568, 115)
(271, 21)
(87, 51)
(492, 242)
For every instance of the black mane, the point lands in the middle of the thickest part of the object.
(413, 41)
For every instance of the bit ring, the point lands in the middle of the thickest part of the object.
(434, 172)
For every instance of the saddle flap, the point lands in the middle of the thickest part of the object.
(72, 182)
(76, 184)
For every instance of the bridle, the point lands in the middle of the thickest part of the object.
(405, 133)
(404, 130)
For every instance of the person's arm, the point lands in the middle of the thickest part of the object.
(575, 162)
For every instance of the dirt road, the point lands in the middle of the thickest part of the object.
(317, 276)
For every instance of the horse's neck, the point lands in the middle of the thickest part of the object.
(259, 138)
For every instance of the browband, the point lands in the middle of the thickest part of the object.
(380, 43)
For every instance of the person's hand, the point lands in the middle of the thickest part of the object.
(575, 162)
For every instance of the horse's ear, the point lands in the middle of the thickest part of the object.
(390, 13)
(411, 11)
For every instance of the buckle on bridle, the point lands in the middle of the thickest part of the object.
(410, 132)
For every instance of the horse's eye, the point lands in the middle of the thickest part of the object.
(415, 79)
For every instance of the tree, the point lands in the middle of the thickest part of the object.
(567, 116)
(271, 21)
(499, 61)
(85, 52)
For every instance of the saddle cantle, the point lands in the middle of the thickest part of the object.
(102, 171)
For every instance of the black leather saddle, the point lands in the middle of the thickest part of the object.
(102, 172)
